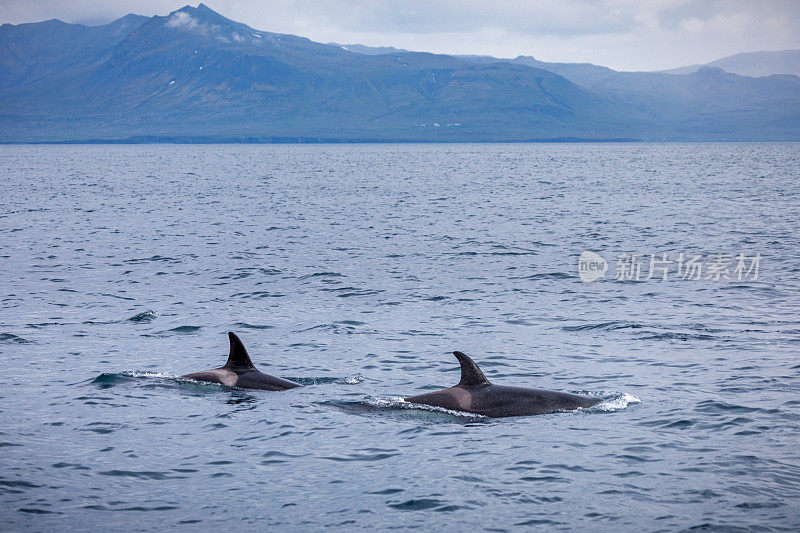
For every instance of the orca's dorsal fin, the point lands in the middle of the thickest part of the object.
(238, 358)
(471, 375)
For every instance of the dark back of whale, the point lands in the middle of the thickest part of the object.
(475, 394)
(501, 401)
(252, 379)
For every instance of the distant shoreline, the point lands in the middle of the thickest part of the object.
(312, 140)
(324, 140)
(147, 139)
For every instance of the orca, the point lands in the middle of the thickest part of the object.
(475, 394)
(240, 372)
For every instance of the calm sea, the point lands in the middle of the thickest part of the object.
(356, 270)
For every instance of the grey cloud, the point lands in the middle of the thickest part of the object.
(418, 16)
(627, 34)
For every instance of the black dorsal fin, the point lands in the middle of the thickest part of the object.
(471, 375)
(238, 357)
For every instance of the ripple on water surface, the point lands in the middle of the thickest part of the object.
(355, 270)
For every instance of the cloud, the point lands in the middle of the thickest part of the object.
(626, 34)
(454, 16)
(182, 20)
(733, 24)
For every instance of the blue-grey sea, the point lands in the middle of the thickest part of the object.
(357, 270)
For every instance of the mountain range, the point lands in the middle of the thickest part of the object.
(195, 75)
(752, 64)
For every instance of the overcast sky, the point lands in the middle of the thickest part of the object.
(623, 34)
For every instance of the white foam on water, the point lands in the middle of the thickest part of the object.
(358, 378)
(616, 403)
(400, 402)
(143, 374)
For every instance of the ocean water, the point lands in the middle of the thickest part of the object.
(356, 270)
